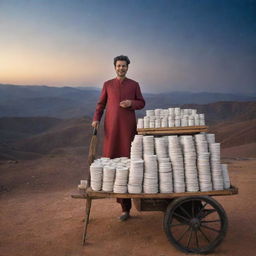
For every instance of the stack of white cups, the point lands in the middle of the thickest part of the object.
(164, 171)
(171, 111)
(197, 119)
(201, 119)
(157, 122)
(148, 145)
(152, 121)
(175, 154)
(96, 173)
(217, 176)
(177, 111)
(193, 112)
(146, 122)
(140, 123)
(203, 163)
(204, 171)
(104, 161)
(190, 164)
(191, 121)
(184, 120)
(136, 176)
(161, 147)
(171, 120)
(165, 175)
(150, 183)
(164, 121)
(158, 112)
(164, 112)
(150, 112)
(136, 148)
(171, 117)
(226, 179)
(185, 111)
(108, 178)
(210, 137)
(177, 121)
(120, 185)
(201, 143)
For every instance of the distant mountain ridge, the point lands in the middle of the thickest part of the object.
(235, 133)
(60, 136)
(225, 111)
(32, 137)
(73, 102)
(13, 129)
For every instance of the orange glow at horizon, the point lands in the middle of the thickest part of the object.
(24, 66)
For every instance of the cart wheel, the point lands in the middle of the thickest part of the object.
(195, 224)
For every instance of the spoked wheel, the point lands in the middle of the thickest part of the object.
(195, 224)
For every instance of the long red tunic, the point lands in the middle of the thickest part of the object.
(120, 123)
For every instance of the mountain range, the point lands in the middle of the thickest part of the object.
(73, 102)
(40, 120)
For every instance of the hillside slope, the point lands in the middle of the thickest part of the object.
(70, 102)
(235, 133)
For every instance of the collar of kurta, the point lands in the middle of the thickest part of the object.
(121, 81)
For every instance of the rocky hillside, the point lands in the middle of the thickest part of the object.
(70, 102)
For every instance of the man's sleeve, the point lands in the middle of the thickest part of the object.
(101, 104)
(139, 101)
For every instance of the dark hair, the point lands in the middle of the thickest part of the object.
(121, 57)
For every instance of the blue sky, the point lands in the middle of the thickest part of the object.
(174, 45)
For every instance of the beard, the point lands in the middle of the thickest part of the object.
(121, 73)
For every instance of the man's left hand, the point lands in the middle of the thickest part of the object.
(125, 103)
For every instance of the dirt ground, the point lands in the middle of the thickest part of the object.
(41, 221)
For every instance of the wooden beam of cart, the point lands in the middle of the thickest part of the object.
(173, 130)
(101, 194)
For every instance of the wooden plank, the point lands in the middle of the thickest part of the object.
(87, 216)
(173, 130)
(84, 196)
(101, 194)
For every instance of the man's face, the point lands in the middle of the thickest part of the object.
(121, 68)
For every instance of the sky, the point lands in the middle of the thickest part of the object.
(173, 45)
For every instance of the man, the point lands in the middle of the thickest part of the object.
(120, 96)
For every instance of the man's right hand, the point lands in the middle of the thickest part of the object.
(95, 124)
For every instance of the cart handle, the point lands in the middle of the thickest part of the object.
(95, 130)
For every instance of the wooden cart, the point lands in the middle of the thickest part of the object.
(194, 222)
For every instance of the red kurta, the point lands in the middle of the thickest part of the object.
(120, 123)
